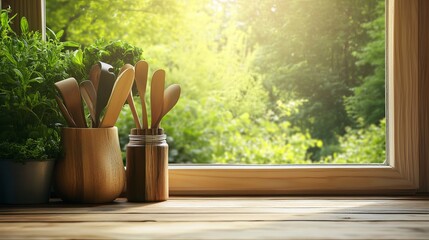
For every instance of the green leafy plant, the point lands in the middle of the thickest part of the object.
(29, 67)
(116, 53)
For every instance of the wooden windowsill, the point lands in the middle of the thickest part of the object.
(223, 218)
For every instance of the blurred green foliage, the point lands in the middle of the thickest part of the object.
(264, 81)
(364, 145)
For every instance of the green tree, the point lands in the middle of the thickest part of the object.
(305, 50)
(134, 21)
(367, 104)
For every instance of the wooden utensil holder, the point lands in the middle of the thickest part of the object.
(147, 166)
(91, 169)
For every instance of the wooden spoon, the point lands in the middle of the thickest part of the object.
(171, 96)
(119, 95)
(130, 99)
(142, 69)
(89, 96)
(104, 90)
(157, 96)
(65, 113)
(70, 93)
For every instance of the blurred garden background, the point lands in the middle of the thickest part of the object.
(263, 81)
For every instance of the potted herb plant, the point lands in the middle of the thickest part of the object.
(29, 67)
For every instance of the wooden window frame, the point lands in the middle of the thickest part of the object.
(400, 174)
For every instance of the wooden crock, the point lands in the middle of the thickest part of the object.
(91, 168)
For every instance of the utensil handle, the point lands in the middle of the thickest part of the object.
(133, 110)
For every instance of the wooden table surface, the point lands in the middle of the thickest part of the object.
(223, 218)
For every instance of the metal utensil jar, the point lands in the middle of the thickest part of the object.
(147, 166)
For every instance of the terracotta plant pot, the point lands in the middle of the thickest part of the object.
(27, 182)
(91, 169)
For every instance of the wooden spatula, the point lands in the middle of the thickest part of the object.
(142, 69)
(70, 93)
(130, 99)
(119, 95)
(157, 96)
(171, 96)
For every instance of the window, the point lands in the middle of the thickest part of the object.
(400, 174)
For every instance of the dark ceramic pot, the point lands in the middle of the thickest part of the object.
(28, 182)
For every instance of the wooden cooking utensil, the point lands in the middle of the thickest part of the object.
(94, 75)
(142, 69)
(119, 95)
(66, 114)
(89, 96)
(171, 96)
(157, 96)
(104, 90)
(130, 99)
(70, 93)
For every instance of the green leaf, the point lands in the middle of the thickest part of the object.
(59, 34)
(71, 44)
(78, 57)
(19, 74)
(36, 80)
(51, 34)
(24, 25)
(4, 19)
(9, 57)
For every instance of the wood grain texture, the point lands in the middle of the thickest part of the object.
(424, 94)
(223, 218)
(31, 9)
(91, 170)
(147, 171)
(405, 158)
(280, 180)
